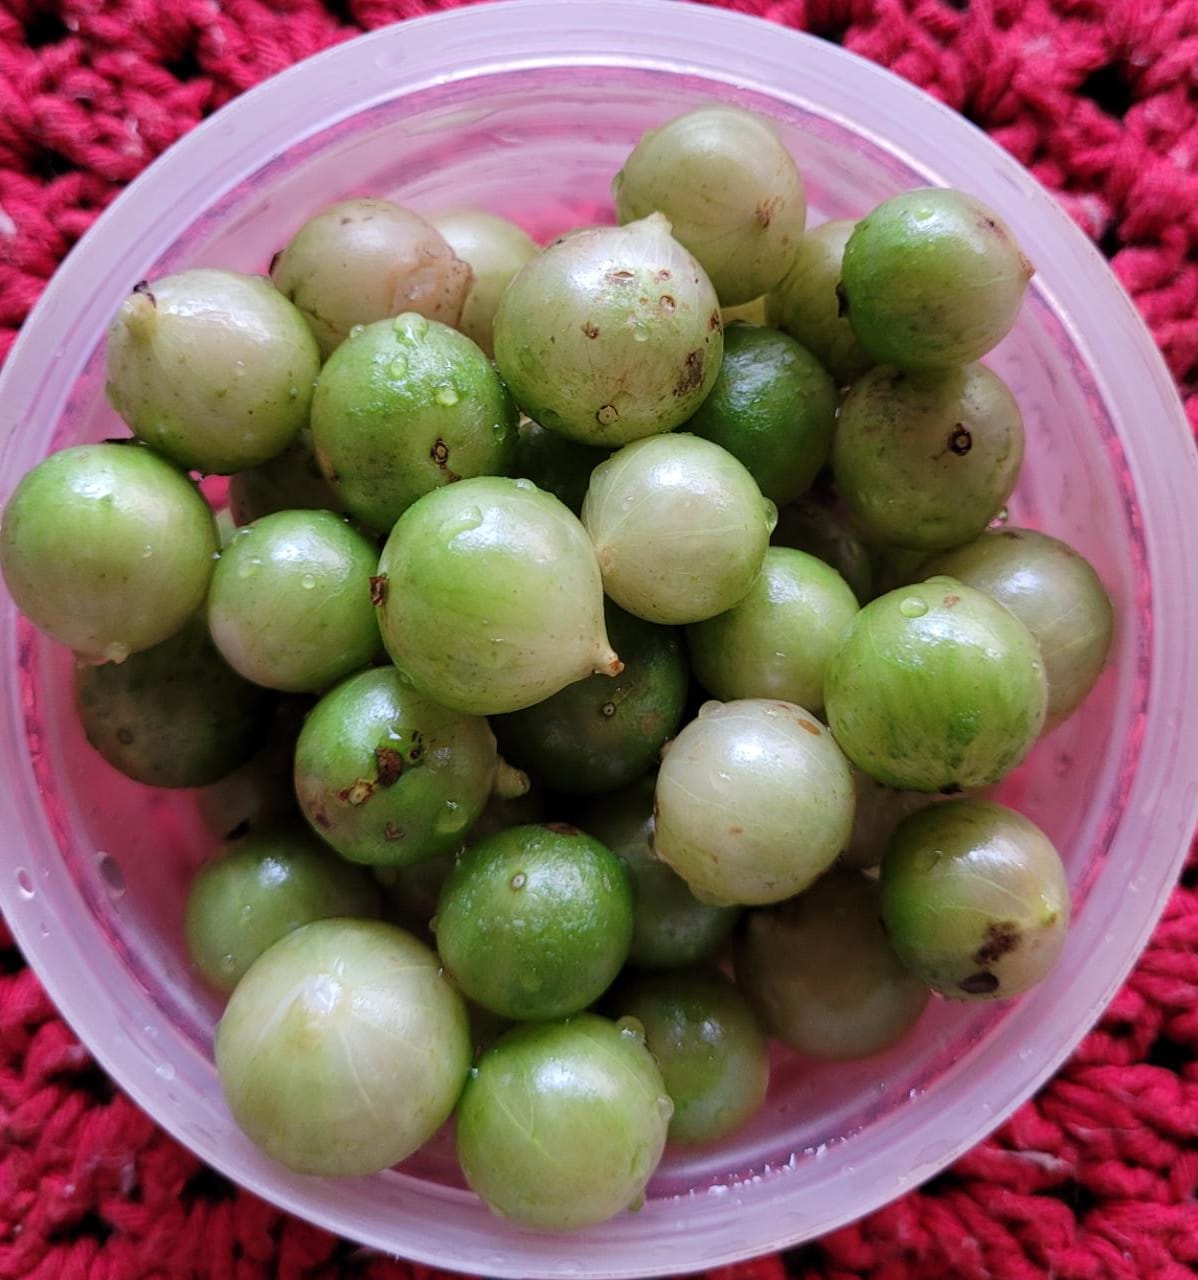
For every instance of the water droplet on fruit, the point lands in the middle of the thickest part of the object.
(307, 582)
(630, 1026)
(357, 329)
(446, 394)
(293, 393)
(912, 607)
(25, 884)
(665, 1106)
(147, 551)
(709, 708)
(398, 366)
(451, 819)
(116, 652)
(640, 333)
(526, 486)
(248, 567)
(467, 519)
(164, 1071)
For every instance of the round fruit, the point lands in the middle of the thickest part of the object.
(974, 899)
(679, 526)
(729, 186)
(212, 368)
(932, 279)
(777, 642)
(290, 601)
(822, 975)
(403, 407)
(610, 335)
(389, 777)
(806, 303)
(176, 715)
(290, 481)
(754, 800)
(490, 597)
(879, 810)
(602, 732)
(814, 525)
(365, 260)
(773, 407)
(535, 922)
(710, 1049)
(927, 460)
(670, 926)
(936, 686)
(560, 466)
(344, 1048)
(107, 548)
(261, 888)
(494, 249)
(562, 1125)
(1055, 593)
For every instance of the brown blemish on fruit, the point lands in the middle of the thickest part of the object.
(691, 375)
(392, 832)
(607, 710)
(664, 273)
(667, 304)
(346, 221)
(949, 601)
(561, 828)
(416, 750)
(714, 321)
(766, 210)
(979, 984)
(440, 455)
(810, 728)
(378, 589)
(619, 277)
(389, 764)
(591, 330)
(736, 831)
(961, 440)
(321, 819)
(357, 793)
(607, 414)
(1001, 939)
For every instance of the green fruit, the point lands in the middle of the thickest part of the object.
(927, 460)
(670, 926)
(807, 306)
(535, 922)
(365, 260)
(822, 975)
(754, 800)
(974, 899)
(610, 335)
(729, 186)
(879, 810)
(494, 249)
(562, 1125)
(773, 407)
(260, 889)
(403, 407)
(290, 481)
(936, 686)
(777, 642)
(815, 526)
(679, 527)
(343, 1049)
(211, 368)
(107, 549)
(490, 597)
(560, 466)
(388, 776)
(290, 601)
(710, 1049)
(602, 732)
(1055, 593)
(176, 715)
(932, 279)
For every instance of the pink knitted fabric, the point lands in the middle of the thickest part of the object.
(1095, 1178)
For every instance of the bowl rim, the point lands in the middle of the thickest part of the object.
(746, 52)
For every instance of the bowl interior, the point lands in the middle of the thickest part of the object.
(109, 862)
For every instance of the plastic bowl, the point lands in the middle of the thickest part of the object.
(528, 110)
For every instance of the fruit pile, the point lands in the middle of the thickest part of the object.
(566, 742)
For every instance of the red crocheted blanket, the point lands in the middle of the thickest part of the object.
(1094, 1179)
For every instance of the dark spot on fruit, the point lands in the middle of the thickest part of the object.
(736, 831)
(979, 984)
(989, 222)
(392, 832)
(378, 589)
(607, 414)
(439, 452)
(357, 792)
(664, 273)
(953, 789)
(810, 728)
(608, 710)
(416, 750)
(714, 321)
(124, 736)
(389, 764)
(321, 819)
(591, 330)
(692, 373)
(619, 277)
(961, 441)
(949, 601)
(667, 304)
(274, 261)
(561, 828)
(1002, 938)
(345, 221)
(766, 210)
(143, 287)
(842, 300)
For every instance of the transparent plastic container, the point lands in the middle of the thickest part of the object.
(528, 110)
